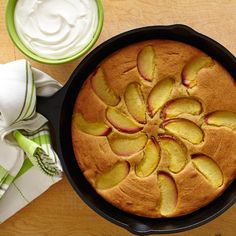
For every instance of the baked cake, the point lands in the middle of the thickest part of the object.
(154, 129)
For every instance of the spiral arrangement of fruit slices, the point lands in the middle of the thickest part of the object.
(126, 134)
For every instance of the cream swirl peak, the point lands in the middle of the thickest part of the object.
(56, 29)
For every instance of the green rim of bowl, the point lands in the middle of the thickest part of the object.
(9, 14)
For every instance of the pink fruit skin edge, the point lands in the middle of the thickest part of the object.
(130, 131)
(166, 136)
(172, 179)
(127, 166)
(142, 122)
(139, 121)
(154, 141)
(143, 76)
(124, 154)
(106, 132)
(166, 122)
(206, 118)
(184, 78)
(163, 112)
(140, 72)
(150, 109)
(172, 138)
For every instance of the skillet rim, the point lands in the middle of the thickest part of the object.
(68, 96)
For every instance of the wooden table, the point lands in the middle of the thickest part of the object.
(60, 211)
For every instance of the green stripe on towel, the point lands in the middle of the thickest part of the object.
(26, 166)
(37, 155)
(41, 139)
(9, 179)
(3, 173)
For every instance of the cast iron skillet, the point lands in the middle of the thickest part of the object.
(58, 109)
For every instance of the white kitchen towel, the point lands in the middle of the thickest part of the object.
(28, 164)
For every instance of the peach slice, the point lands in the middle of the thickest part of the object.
(159, 95)
(185, 129)
(179, 106)
(222, 118)
(175, 151)
(102, 89)
(209, 169)
(113, 176)
(126, 145)
(93, 128)
(146, 63)
(151, 158)
(121, 122)
(135, 103)
(169, 193)
(191, 69)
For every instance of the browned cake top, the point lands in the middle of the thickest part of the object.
(154, 129)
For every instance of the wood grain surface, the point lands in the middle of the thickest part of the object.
(60, 211)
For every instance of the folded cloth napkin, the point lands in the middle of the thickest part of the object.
(28, 164)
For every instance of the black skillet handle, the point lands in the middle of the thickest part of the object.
(50, 108)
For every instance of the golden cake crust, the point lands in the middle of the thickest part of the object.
(141, 196)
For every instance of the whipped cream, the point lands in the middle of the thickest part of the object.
(56, 29)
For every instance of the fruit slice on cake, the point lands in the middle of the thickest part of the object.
(126, 145)
(168, 191)
(151, 158)
(121, 121)
(102, 89)
(159, 95)
(135, 103)
(185, 129)
(192, 68)
(113, 176)
(175, 151)
(209, 169)
(146, 63)
(179, 106)
(93, 128)
(222, 118)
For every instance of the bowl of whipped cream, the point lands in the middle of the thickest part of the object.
(54, 31)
